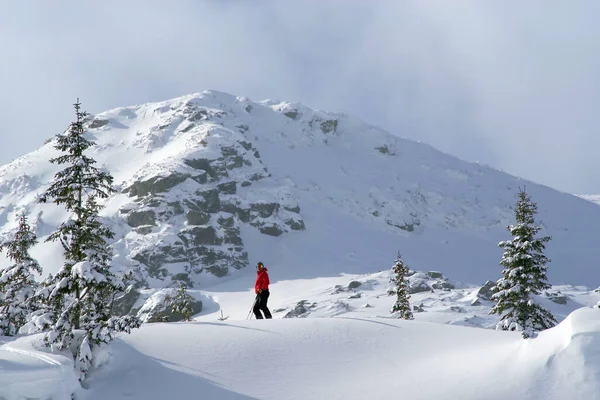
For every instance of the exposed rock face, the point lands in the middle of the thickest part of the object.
(557, 297)
(140, 218)
(123, 304)
(155, 185)
(428, 282)
(192, 216)
(98, 123)
(326, 125)
(197, 217)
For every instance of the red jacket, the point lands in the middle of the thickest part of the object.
(262, 280)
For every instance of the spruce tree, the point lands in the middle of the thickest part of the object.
(181, 303)
(79, 295)
(17, 283)
(400, 289)
(524, 274)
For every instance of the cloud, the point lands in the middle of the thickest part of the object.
(510, 84)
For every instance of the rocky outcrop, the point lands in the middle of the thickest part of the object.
(326, 125)
(486, 291)
(435, 275)
(158, 307)
(98, 123)
(295, 224)
(140, 218)
(301, 310)
(291, 114)
(197, 217)
(123, 304)
(155, 185)
(354, 285)
(195, 212)
(418, 287)
(419, 282)
(557, 297)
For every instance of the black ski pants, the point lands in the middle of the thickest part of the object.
(261, 305)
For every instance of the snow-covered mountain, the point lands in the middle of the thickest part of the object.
(209, 183)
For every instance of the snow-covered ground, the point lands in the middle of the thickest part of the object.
(28, 372)
(348, 358)
(334, 358)
(333, 337)
(438, 299)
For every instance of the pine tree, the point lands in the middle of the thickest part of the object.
(524, 274)
(79, 296)
(400, 289)
(17, 283)
(181, 303)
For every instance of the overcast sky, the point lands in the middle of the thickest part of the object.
(512, 84)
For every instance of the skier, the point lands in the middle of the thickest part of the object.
(261, 288)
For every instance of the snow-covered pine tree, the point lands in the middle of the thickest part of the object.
(181, 303)
(524, 274)
(400, 289)
(17, 283)
(79, 296)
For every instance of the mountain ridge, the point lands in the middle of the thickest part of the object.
(210, 183)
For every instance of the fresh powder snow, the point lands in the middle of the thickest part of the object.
(315, 358)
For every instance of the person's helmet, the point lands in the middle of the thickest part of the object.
(260, 265)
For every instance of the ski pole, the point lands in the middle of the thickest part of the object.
(251, 308)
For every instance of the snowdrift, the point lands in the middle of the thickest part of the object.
(27, 372)
(341, 358)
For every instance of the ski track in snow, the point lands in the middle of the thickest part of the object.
(34, 354)
(31, 374)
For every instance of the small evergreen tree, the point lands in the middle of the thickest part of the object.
(524, 274)
(17, 284)
(181, 303)
(400, 289)
(79, 296)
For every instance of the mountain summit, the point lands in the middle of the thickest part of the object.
(209, 183)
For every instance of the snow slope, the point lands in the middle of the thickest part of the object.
(223, 359)
(594, 198)
(439, 300)
(27, 372)
(350, 358)
(362, 195)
